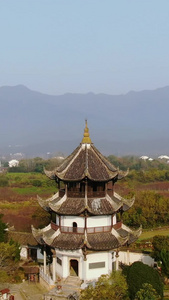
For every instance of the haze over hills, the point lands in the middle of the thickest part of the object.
(35, 123)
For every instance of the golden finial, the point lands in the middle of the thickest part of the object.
(86, 136)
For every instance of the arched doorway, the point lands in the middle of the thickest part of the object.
(74, 266)
(74, 227)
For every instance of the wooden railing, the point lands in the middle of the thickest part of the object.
(117, 225)
(99, 229)
(54, 226)
(66, 229)
(81, 230)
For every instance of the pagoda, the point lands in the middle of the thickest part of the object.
(84, 234)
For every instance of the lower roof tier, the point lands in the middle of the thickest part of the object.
(96, 206)
(117, 236)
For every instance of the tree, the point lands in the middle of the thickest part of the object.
(107, 287)
(147, 292)
(138, 274)
(161, 252)
(8, 255)
(2, 229)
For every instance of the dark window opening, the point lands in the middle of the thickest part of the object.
(59, 261)
(74, 227)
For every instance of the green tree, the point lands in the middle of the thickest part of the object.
(161, 252)
(107, 287)
(147, 292)
(8, 255)
(2, 229)
(138, 274)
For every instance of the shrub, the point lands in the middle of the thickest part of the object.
(36, 182)
(138, 274)
(111, 286)
(4, 276)
(3, 181)
(147, 293)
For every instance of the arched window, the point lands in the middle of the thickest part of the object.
(74, 227)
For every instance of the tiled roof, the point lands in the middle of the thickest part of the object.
(100, 206)
(31, 269)
(68, 241)
(93, 241)
(102, 241)
(85, 161)
(23, 238)
(96, 206)
(71, 206)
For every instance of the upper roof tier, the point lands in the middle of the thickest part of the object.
(86, 161)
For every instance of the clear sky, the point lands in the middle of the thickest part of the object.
(81, 46)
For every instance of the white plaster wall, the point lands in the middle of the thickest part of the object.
(66, 256)
(114, 219)
(59, 268)
(68, 221)
(98, 221)
(57, 220)
(39, 254)
(92, 274)
(132, 257)
(111, 257)
(23, 253)
(65, 268)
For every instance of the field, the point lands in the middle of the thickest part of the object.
(18, 199)
(149, 185)
(149, 234)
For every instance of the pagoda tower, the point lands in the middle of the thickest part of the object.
(84, 235)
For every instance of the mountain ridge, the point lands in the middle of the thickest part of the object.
(129, 123)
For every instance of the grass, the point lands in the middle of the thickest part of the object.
(151, 233)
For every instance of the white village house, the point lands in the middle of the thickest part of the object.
(84, 235)
(13, 163)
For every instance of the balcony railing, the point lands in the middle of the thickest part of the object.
(81, 230)
(99, 229)
(66, 229)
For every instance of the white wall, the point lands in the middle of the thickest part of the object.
(131, 257)
(114, 219)
(92, 274)
(23, 253)
(68, 221)
(98, 221)
(39, 254)
(57, 220)
(59, 268)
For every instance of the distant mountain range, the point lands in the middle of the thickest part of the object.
(35, 123)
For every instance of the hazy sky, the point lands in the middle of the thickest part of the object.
(81, 46)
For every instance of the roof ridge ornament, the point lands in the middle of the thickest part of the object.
(86, 137)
